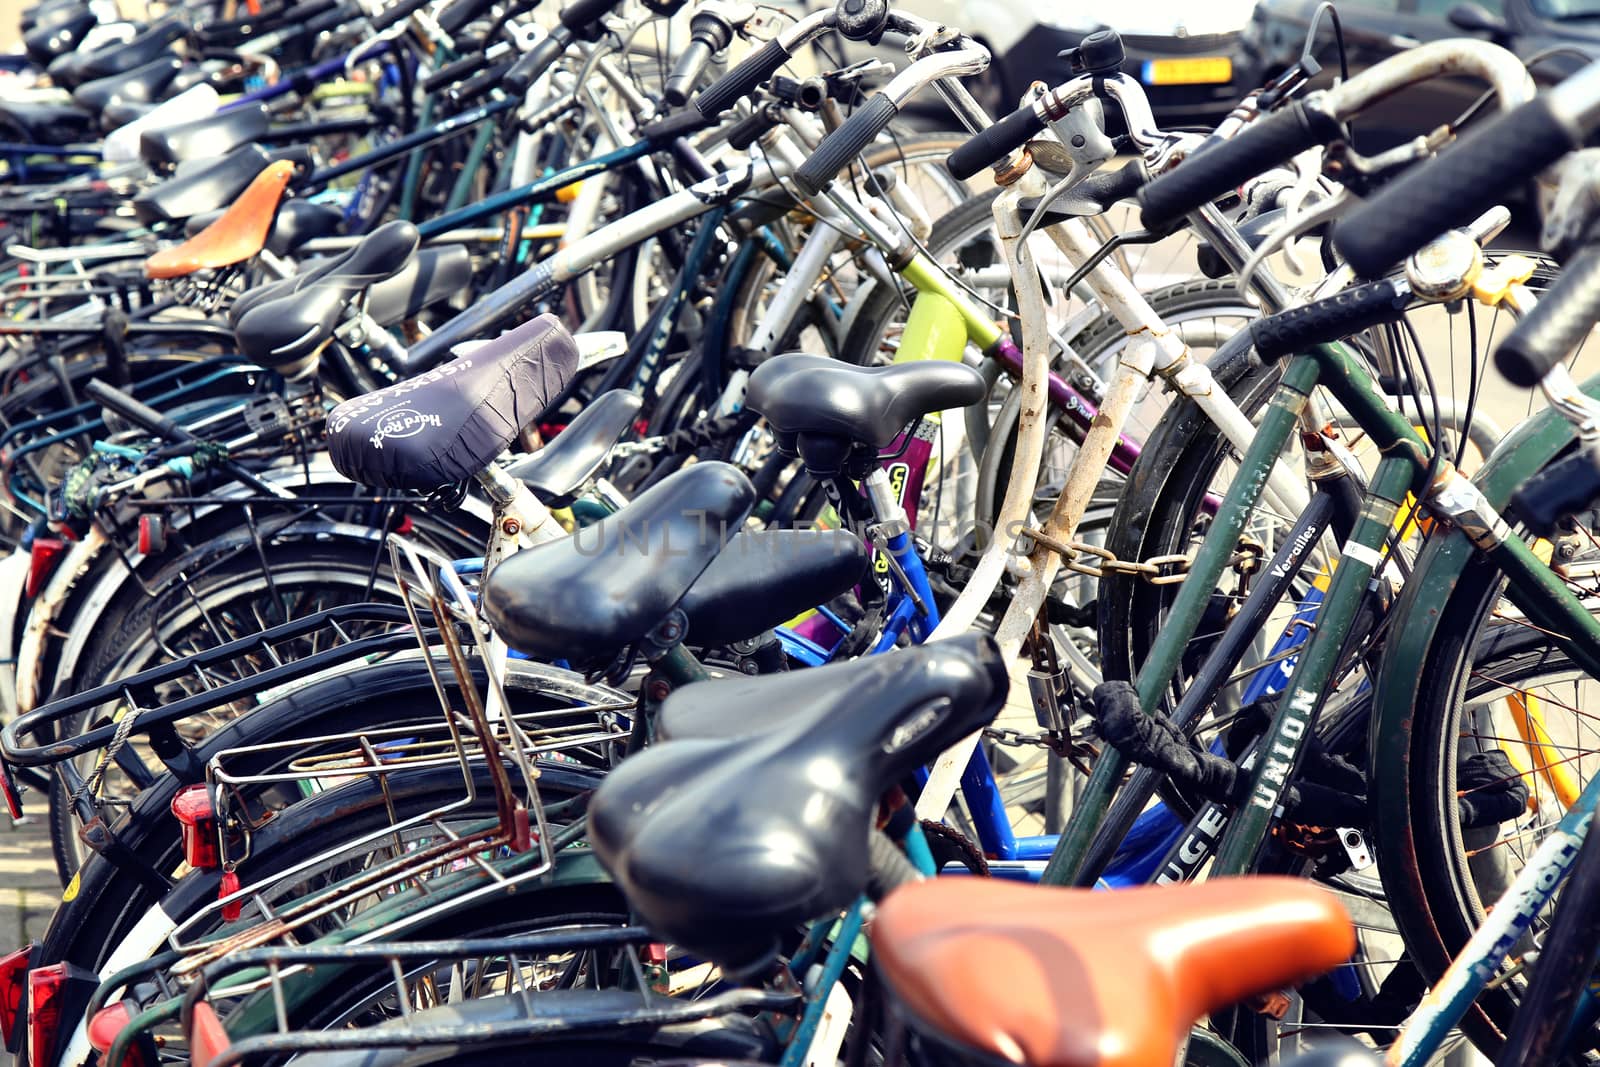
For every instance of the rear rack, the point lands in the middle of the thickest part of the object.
(138, 694)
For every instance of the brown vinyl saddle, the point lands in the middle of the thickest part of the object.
(240, 233)
(1082, 978)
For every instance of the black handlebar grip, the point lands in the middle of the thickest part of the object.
(741, 81)
(460, 13)
(480, 83)
(451, 73)
(680, 83)
(331, 20)
(844, 144)
(1216, 171)
(135, 411)
(748, 130)
(1327, 320)
(536, 60)
(1465, 180)
(987, 146)
(580, 15)
(1568, 487)
(398, 12)
(1558, 323)
(1107, 187)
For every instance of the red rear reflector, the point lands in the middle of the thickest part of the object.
(42, 560)
(107, 1023)
(8, 789)
(13, 990)
(207, 1038)
(46, 989)
(198, 820)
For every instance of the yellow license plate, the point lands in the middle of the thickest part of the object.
(1191, 70)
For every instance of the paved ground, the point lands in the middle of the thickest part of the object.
(29, 889)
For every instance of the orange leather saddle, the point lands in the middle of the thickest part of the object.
(240, 233)
(1080, 978)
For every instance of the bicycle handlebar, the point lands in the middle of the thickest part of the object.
(458, 14)
(1467, 178)
(873, 117)
(137, 412)
(1217, 167)
(1565, 488)
(532, 64)
(709, 34)
(1558, 323)
(995, 142)
(397, 13)
(461, 69)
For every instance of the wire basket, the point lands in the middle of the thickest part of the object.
(491, 837)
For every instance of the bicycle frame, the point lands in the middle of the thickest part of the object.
(1533, 588)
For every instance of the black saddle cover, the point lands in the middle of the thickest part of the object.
(724, 837)
(801, 393)
(444, 426)
(585, 597)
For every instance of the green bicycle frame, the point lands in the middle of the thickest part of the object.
(1537, 591)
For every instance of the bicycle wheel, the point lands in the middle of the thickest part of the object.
(103, 903)
(1490, 682)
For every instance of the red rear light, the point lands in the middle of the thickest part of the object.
(8, 789)
(207, 1038)
(110, 1021)
(198, 818)
(57, 995)
(107, 1023)
(47, 988)
(42, 560)
(13, 992)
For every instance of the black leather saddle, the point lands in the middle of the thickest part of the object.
(203, 138)
(121, 114)
(432, 275)
(142, 85)
(766, 577)
(59, 34)
(754, 816)
(296, 222)
(288, 322)
(75, 68)
(444, 426)
(586, 597)
(203, 185)
(50, 124)
(805, 396)
(561, 468)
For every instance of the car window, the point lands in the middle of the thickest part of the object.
(1440, 8)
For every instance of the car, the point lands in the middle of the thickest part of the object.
(1376, 29)
(1182, 50)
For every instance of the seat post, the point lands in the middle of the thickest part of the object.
(520, 518)
(891, 517)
